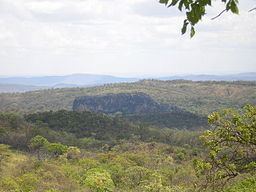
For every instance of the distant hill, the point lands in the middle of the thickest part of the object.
(196, 97)
(141, 108)
(23, 84)
(73, 80)
(231, 77)
(123, 103)
(13, 88)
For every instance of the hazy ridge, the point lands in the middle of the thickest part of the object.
(23, 84)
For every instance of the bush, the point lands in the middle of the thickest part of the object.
(73, 153)
(9, 184)
(28, 182)
(244, 186)
(99, 180)
(135, 175)
(57, 149)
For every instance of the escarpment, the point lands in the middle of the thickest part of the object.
(125, 103)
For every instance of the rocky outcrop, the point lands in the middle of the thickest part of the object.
(124, 103)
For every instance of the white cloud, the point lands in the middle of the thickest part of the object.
(44, 6)
(113, 36)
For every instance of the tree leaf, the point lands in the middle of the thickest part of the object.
(234, 8)
(192, 32)
(163, 1)
(184, 28)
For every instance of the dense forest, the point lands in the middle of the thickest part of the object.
(179, 136)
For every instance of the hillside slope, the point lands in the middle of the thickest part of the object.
(140, 108)
(198, 97)
(124, 103)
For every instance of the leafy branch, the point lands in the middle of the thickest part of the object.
(196, 9)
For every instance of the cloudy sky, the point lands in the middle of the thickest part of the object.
(127, 38)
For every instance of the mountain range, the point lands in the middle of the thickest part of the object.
(203, 77)
(66, 80)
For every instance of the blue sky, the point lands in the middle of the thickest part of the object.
(127, 38)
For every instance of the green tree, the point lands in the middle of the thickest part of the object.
(56, 149)
(38, 143)
(196, 9)
(231, 144)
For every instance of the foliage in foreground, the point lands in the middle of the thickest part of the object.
(232, 146)
(127, 167)
(47, 164)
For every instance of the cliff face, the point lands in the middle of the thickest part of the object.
(125, 103)
(139, 107)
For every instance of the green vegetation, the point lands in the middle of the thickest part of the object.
(196, 97)
(231, 144)
(179, 120)
(140, 108)
(244, 186)
(84, 124)
(85, 130)
(64, 150)
(139, 163)
(128, 166)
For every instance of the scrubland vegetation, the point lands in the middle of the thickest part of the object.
(197, 97)
(61, 150)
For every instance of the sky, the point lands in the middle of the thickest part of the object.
(123, 38)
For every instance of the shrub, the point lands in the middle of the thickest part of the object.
(28, 182)
(99, 180)
(57, 149)
(244, 186)
(9, 184)
(73, 153)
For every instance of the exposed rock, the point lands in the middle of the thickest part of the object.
(140, 108)
(124, 103)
